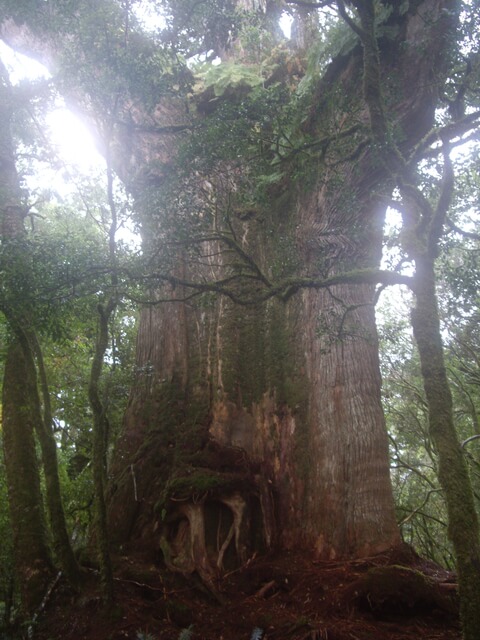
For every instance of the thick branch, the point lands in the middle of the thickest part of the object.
(443, 204)
(310, 5)
(447, 133)
(351, 23)
(285, 289)
(465, 234)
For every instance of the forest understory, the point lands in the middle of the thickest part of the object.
(280, 596)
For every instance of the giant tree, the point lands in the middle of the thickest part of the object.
(294, 383)
(255, 414)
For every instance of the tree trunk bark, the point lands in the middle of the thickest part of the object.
(32, 554)
(297, 385)
(44, 429)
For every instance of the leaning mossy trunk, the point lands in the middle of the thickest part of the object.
(31, 548)
(463, 526)
(43, 421)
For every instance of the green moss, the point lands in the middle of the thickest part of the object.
(400, 590)
(193, 482)
(243, 357)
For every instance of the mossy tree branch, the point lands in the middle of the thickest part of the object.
(254, 294)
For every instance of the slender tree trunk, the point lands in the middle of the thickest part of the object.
(32, 554)
(452, 469)
(43, 423)
(100, 429)
(423, 225)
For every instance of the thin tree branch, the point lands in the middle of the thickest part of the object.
(465, 234)
(351, 23)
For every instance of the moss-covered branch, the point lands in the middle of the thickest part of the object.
(283, 289)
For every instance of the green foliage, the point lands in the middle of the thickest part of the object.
(232, 77)
(77, 492)
(201, 27)
(145, 635)
(186, 634)
(109, 40)
(53, 277)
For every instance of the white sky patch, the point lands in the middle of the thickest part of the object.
(286, 21)
(73, 141)
(149, 17)
(392, 254)
(21, 67)
(68, 135)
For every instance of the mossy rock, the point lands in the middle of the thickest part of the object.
(400, 591)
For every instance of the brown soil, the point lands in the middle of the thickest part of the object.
(288, 596)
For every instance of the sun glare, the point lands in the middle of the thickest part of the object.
(20, 67)
(69, 136)
(72, 140)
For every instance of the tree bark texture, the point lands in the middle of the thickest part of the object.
(44, 429)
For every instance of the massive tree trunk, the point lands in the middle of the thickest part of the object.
(295, 384)
(261, 425)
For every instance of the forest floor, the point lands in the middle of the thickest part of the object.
(286, 596)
